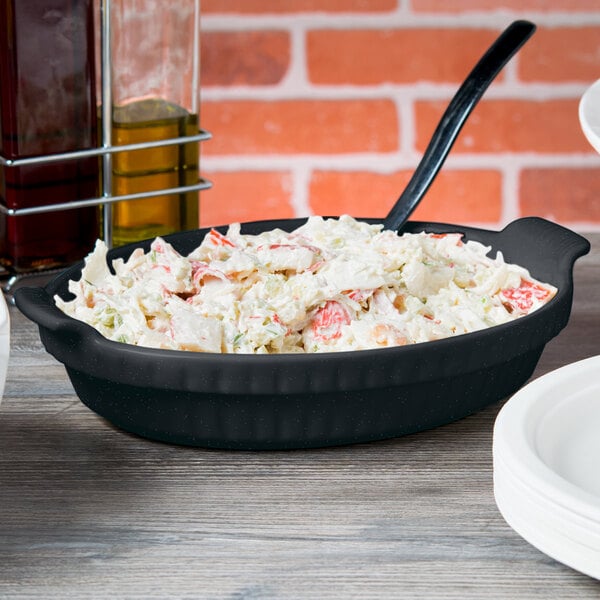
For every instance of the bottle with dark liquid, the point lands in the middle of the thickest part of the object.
(155, 97)
(47, 106)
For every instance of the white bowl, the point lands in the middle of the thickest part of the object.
(4, 342)
(589, 115)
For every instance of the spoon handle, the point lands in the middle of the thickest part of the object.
(465, 99)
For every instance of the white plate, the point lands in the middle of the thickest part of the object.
(547, 464)
(4, 341)
(589, 115)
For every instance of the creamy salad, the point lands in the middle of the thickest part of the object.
(330, 285)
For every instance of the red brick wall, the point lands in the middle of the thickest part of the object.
(325, 107)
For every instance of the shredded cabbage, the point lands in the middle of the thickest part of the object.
(330, 285)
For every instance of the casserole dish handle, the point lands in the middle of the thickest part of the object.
(558, 244)
(36, 304)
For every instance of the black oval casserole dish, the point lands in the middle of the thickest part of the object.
(311, 400)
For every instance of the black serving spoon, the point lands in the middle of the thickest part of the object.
(464, 101)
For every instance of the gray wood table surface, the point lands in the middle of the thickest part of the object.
(87, 511)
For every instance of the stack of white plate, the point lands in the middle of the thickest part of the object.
(4, 341)
(546, 453)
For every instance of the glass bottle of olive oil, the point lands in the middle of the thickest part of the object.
(152, 169)
(155, 72)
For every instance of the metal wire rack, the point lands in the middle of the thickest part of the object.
(105, 151)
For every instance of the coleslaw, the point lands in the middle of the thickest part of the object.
(330, 285)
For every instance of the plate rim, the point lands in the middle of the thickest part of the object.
(592, 135)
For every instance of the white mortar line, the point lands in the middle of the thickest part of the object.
(301, 176)
(399, 19)
(293, 88)
(386, 163)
